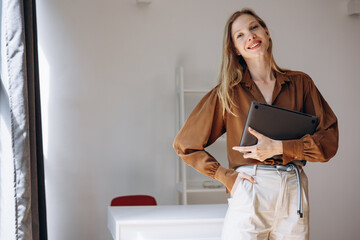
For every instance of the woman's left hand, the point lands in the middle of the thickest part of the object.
(264, 149)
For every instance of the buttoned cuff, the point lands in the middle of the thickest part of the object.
(292, 150)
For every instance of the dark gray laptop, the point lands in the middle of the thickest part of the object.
(276, 123)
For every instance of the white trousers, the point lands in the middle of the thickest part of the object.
(267, 210)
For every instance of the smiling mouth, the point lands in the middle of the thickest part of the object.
(255, 45)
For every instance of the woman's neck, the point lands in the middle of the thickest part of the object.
(260, 70)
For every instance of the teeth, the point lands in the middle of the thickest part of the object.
(255, 45)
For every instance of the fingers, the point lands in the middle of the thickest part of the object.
(264, 149)
(246, 149)
(243, 149)
(247, 177)
(255, 133)
(250, 152)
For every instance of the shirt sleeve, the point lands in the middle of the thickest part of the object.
(204, 125)
(323, 144)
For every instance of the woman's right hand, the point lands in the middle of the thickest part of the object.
(241, 176)
(246, 176)
(229, 177)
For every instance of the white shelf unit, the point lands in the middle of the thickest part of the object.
(188, 181)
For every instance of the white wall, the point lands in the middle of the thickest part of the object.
(107, 79)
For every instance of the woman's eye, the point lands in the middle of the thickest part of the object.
(239, 36)
(254, 27)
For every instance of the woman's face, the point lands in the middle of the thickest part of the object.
(250, 39)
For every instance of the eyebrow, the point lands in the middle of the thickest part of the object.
(254, 21)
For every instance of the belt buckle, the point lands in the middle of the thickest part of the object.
(286, 168)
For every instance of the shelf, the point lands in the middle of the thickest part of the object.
(197, 187)
(186, 184)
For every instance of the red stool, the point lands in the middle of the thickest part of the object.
(134, 200)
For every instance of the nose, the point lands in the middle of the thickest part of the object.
(251, 37)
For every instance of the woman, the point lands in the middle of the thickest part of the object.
(264, 196)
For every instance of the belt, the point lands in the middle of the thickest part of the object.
(287, 168)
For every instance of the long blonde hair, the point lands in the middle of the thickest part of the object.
(232, 65)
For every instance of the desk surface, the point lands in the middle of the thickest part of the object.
(181, 215)
(168, 213)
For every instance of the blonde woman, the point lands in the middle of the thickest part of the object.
(266, 202)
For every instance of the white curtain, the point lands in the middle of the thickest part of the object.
(19, 153)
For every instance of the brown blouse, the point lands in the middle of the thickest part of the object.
(293, 90)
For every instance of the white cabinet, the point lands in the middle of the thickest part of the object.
(192, 186)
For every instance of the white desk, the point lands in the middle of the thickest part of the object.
(180, 222)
